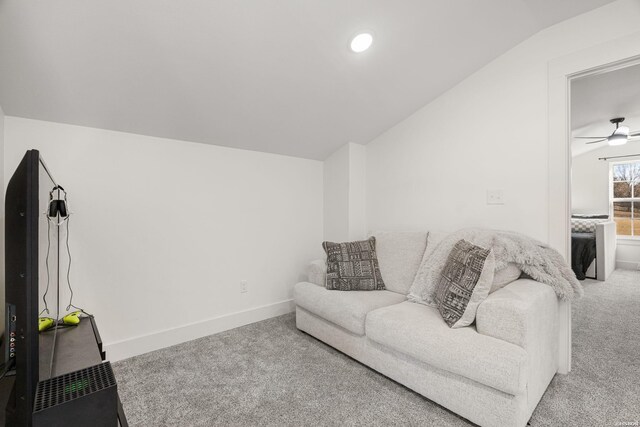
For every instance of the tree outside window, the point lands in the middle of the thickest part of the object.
(626, 198)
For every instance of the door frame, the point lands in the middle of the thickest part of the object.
(609, 56)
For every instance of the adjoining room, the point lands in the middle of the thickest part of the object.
(605, 182)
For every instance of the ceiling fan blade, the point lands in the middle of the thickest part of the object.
(594, 142)
(590, 137)
(635, 133)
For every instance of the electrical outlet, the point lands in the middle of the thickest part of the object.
(495, 197)
(244, 286)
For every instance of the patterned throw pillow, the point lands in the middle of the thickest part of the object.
(465, 282)
(353, 266)
(579, 225)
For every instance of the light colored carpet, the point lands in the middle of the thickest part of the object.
(269, 373)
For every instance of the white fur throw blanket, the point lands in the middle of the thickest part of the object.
(537, 260)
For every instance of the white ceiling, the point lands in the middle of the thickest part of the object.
(267, 75)
(597, 99)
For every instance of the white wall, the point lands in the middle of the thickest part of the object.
(432, 170)
(163, 231)
(336, 195)
(345, 194)
(628, 254)
(589, 184)
(590, 178)
(357, 192)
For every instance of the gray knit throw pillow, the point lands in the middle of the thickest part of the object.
(353, 266)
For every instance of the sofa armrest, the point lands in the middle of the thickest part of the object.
(318, 272)
(524, 313)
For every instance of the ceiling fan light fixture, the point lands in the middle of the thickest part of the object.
(620, 135)
(617, 139)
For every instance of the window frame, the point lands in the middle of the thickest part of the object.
(632, 199)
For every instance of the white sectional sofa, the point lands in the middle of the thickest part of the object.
(493, 373)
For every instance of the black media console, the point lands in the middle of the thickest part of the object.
(77, 380)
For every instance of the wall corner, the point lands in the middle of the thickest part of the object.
(345, 194)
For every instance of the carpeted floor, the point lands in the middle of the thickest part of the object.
(269, 373)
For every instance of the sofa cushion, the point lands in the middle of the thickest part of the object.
(399, 256)
(353, 266)
(345, 309)
(318, 272)
(510, 273)
(434, 238)
(419, 332)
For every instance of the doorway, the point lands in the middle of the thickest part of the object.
(605, 172)
(605, 57)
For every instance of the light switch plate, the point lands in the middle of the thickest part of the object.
(495, 197)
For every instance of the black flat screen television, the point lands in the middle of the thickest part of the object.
(32, 280)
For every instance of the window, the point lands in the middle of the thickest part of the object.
(625, 190)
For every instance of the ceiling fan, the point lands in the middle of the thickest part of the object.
(620, 135)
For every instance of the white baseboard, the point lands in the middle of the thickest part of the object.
(628, 265)
(143, 344)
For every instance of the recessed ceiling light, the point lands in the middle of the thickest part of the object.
(361, 42)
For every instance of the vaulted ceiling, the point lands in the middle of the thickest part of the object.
(267, 75)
